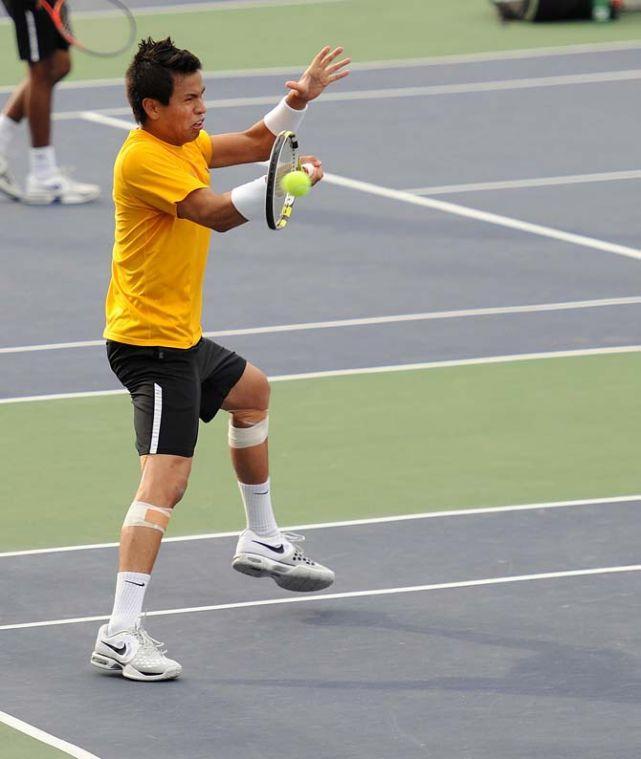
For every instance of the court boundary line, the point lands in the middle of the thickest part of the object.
(518, 184)
(353, 523)
(431, 90)
(464, 313)
(40, 735)
(454, 209)
(504, 580)
(195, 7)
(578, 353)
(474, 214)
(391, 63)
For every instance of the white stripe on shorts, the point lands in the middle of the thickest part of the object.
(155, 428)
(34, 50)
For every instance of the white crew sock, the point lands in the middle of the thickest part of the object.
(42, 162)
(130, 595)
(258, 507)
(8, 130)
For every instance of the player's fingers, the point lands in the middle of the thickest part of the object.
(329, 57)
(294, 86)
(339, 65)
(320, 55)
(336, 77)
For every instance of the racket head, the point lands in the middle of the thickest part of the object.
(283, 159)
(103, 28)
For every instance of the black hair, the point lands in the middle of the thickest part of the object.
(151, 73)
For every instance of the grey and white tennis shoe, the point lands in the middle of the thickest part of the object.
(282, 560)
(133, 653)
(58, 189)
(8, 184)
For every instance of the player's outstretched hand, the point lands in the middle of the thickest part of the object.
(320, 73)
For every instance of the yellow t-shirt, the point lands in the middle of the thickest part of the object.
(158, 264)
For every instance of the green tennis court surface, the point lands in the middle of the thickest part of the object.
(368, 29)
(20, 746)
(344, 447)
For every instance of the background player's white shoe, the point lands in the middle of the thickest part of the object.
(133, 653)
(58, 189)
(282, 560)
(8, 184)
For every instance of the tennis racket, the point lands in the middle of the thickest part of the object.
(106, 28)
(284, 158)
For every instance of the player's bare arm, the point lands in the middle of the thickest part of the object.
(255, 143)
(217, 212)
(210, 209)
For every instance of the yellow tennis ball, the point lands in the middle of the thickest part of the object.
(296, 183)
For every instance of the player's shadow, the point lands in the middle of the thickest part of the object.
(547, 668)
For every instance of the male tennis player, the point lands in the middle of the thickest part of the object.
(165, 212)
(47, 56)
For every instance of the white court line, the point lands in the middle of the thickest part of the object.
(502, 85)
(50, 740)
(350, 594)
(101, 118)
(489, 218)
(452, 208)
(515, 184)
(366, 321)
(369, 370)
(202, 7)
(392, 63)
(352, 523)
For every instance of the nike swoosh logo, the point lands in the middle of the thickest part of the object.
(276, 549)
(261, 492)
(120, 651)
(139, 584)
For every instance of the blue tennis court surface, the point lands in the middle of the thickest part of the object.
(385, 664)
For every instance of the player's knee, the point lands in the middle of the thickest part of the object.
(248, 428)
(261, 392)
(164, 483)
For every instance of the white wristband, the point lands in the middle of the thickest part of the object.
(249, 199)
(284, 118)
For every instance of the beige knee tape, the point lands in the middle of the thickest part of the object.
(143, 514)
(246, 437)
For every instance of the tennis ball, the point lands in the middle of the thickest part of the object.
(296, 183)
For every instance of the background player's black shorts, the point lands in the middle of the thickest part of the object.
(36, 35)
(171, 389)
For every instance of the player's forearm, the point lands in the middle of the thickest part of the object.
(210, 210)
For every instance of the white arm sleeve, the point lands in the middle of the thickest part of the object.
(284, 118)
(249, 198)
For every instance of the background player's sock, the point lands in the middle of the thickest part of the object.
(8, 130)
(42, 162)
(130, 596)
(258, 508)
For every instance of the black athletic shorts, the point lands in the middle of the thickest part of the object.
(36, 35)
(171, 389)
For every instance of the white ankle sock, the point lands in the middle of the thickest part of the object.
(8, 130)
(258, 508)
(42, 162)
(130, 596)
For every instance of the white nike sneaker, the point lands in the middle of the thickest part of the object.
(58, 189)
(133, 653)
(280, 559)
(8, 184)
